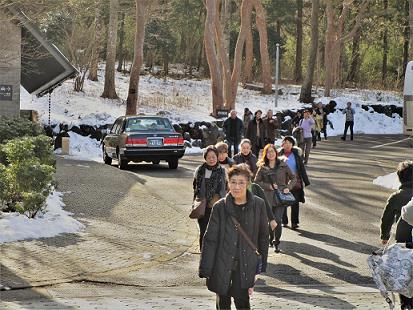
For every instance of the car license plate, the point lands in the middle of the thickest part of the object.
(155, 142)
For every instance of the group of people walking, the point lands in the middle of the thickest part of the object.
(249, 210)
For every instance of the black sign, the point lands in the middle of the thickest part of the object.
(222, 113)
(6, 92)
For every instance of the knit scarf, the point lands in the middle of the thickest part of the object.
(213, 183)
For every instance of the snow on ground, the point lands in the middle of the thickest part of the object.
(388, 181)
(189, 101)
(54, 221)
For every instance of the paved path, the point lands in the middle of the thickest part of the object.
(138, 234)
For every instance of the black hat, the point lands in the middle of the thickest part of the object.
(289, 138)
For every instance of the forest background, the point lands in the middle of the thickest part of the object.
(323, 43)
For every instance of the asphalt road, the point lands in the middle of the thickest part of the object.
(138, 232)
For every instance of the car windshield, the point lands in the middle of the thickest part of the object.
(148, 124)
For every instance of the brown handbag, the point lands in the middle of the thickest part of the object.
(198, 208)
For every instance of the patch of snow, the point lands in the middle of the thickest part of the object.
(388, 181)
(83, 148)
(55, 221)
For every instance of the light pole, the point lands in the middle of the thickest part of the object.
(277, 60)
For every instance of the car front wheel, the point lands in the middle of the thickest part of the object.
(106, 159)
(122, 162)
(173, 163)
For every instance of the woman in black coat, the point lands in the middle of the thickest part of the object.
(210, 183)
(227, 260)
(295, 162)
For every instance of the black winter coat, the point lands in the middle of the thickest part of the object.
(251, 133)
(392, 213)
(239, 129)
(220, 244)
(302, 173)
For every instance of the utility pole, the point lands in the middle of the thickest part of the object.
(277, 64)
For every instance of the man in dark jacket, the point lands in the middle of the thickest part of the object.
(271, 127)
(227, 260)
(256, 133)
(233, 130)
(392, 212)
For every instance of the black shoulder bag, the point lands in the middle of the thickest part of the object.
(242, 232)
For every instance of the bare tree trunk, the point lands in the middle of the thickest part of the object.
(132, 101)
(406, 33)
(265, 58)
(121, 41)
(225, 22)
(212, 57)
(94, 64)
(246, 8)
(328, 60)
(385, 44)
(249, 57)
(335, 39)
(223, 56)
(355, 58)
(298, 73)
(411, 29)
(109, 90)
(305, 95)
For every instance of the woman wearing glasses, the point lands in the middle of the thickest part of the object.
(227, 260)
(274, 174)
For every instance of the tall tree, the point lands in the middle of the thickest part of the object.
(385, 43)
(335, 39)
(298, 73)
(410, 5)
(132, 100)
(261, 21)
(355, 57)
(96, 43)
(305, 95)
(109, 90)
(121, 41)
(214, 63)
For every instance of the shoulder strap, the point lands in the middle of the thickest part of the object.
(242, 232)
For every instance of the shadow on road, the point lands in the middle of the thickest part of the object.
(315, 300)
(23, 298)
(359, 247)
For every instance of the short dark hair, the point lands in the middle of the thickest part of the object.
(405, 171)
(289, 138)
(240, 169)
(210, 148)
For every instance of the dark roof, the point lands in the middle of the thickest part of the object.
(43, 66)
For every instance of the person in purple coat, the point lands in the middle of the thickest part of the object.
(306, 125)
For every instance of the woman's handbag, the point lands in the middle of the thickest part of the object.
(284, 199)
(238, 227)
(198, 208)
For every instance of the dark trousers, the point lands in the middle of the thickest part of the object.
(234, 142)
(406, 302)
(240, 295)
(295, 212)
(346, 126)
(276, 234)
(203, 223)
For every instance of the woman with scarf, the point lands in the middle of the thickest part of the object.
(209, 182)
(274, 174)
(294, 160)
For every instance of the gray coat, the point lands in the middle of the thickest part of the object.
(281, 175)
(220, 244)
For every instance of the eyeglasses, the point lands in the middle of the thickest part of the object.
(239, 184)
